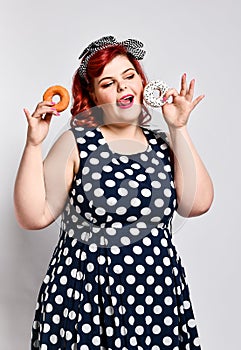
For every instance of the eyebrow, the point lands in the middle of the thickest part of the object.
(112, 77)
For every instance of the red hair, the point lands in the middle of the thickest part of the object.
(83, 113)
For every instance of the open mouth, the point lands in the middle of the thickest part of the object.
(126, 101)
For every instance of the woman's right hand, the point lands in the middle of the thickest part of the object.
(39, 121)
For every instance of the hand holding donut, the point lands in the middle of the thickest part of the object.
(39, 121)
(176, 113)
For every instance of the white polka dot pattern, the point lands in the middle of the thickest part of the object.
(115, 280)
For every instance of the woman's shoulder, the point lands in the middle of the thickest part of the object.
(64, 140)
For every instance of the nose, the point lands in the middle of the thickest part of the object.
(121, 85)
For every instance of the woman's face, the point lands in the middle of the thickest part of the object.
(118, 91)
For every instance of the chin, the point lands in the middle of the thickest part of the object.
(130, 116)
(122, 116)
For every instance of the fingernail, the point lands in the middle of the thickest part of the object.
(164, 99)
(52, 102)
(184, 75)
(53, 109)
(57, 113)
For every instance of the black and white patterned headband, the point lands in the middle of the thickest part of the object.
(132, 46)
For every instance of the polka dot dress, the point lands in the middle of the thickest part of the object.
(115, 280)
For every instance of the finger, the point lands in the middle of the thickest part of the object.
(190, 92)
(41, 110)
(48, 117)
(27, 114)
(41, 107)
(183, 89)
(46, 103)
(197, 100)
(171, 92)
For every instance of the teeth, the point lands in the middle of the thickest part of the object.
(126, 98)
(124, 101)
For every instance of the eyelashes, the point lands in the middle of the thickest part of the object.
(129, 77)
(107, 85)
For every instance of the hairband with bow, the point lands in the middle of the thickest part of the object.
(133, 46)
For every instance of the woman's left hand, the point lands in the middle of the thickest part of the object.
(177, 112)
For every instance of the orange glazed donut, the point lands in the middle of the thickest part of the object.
(61, 92)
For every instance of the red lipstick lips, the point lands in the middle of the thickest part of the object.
(125, 101)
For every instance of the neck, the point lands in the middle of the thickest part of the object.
(125, 130)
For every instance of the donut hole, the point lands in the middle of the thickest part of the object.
(56, 98)
(156, 93)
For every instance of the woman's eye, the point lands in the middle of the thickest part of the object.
(131, 76)
(107, 84)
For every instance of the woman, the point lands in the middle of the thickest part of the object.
(115, 280)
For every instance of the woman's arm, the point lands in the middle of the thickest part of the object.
(41, 187)
(193, 184)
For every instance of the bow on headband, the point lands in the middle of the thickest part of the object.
(132, 46)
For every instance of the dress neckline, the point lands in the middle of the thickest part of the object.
(146, 133)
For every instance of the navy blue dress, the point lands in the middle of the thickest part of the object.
(115, 280)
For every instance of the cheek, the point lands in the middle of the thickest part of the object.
(139, 90)
(139, 86)
(106, 97)
(99, 98)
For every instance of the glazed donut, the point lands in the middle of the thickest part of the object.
(150, 88)
(61, 92)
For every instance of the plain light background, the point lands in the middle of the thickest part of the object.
(40, 45)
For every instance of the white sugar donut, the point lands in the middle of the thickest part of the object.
(150, 88)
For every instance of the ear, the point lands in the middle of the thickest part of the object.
(93, 95)
(94, 98)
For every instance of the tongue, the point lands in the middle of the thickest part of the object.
(124, 102)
